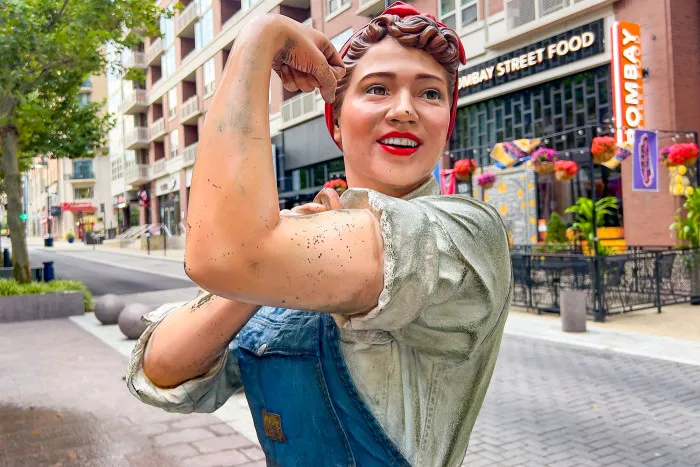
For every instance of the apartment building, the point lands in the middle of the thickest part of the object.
(70, 195)
(535, 67)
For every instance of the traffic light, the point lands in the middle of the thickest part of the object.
(23, 216)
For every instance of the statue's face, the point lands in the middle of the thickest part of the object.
(394, 118)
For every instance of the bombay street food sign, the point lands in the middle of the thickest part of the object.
(562, 49)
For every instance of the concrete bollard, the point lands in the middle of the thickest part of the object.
(573, 310)
(130, 323)
(107, 308)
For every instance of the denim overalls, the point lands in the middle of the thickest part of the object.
(306, 409)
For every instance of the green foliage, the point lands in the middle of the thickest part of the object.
(70, 235)
(556, 230)
(688, 227)
(10, 287)
(583, 227)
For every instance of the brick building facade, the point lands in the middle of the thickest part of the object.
(155, 141)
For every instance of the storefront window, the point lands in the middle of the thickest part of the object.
(84, 193)
(170, 211)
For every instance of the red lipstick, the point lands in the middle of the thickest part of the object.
(403, 151)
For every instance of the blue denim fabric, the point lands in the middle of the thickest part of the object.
(292, 367)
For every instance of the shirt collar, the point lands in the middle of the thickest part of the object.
(429, 188)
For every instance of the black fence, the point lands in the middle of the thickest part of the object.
(638, 278)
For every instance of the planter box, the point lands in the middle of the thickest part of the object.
(43, 306)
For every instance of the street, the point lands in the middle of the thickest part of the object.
(548, 404)
(102, 278)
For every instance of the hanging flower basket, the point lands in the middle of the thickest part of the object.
(464, 169)
(338, 185)
(565, 170)
(486, 180)
(543, 160)
(682, 154)
(603, 149)
(663, 156)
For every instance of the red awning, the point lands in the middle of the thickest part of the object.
(78, 206)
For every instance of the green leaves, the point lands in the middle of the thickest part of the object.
(687, 227)
(583, 209)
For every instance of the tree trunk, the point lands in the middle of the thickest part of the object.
(13, 188)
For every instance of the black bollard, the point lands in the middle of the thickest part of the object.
(48, 271)
(6, 261)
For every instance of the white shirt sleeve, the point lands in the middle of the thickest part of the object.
(447, 270)
(203, 394)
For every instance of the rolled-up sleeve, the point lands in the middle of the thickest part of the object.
(203, 394)
(447, 274)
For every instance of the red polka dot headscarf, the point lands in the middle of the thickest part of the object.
(402, 10)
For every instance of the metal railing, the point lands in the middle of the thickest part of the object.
(190, 108)
(154, 50)
(135, 173)
(160, 167)
(189, 154)
(634, 279)
(135, 60)
(158, 128)
(187, 16)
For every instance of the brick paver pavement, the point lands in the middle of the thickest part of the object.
(63, 401)
(558, 405)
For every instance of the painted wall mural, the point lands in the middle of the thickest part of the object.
(515, 198)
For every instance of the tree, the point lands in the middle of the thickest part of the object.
(583, 227)
(47, 49)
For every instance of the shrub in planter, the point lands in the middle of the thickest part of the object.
(10, 288)
(70, 237)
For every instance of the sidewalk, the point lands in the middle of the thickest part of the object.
(176, 255)
(63, 401)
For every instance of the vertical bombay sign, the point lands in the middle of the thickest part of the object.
(627, 80)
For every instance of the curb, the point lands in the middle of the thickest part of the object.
(116, 252)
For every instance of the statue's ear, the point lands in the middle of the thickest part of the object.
(336, 135)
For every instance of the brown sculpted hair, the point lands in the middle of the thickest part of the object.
(420, 32)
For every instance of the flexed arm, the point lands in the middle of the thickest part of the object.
(238, 246)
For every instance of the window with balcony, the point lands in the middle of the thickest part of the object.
(174, 143)
(458, 13)
(84, 98)
(521, 12)
(167, 62)
(204, 29)
(172, 103)
(340, 40)
(209, 76)
(167, 28)
(336, 5)
(84, 193)
(82, 170)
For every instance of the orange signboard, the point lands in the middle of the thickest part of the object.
(628, 98)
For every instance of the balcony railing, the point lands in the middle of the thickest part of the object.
(82, 176)
(190, 109)
(135, 60)
(189, 154)
(158, 130)
(135, 102)
(175, 164)
(370, 7)
(154, 51)
(187, 16)
(136, 138)
(299, 108)
(522, 12)
(160, 168)
(136, 174)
